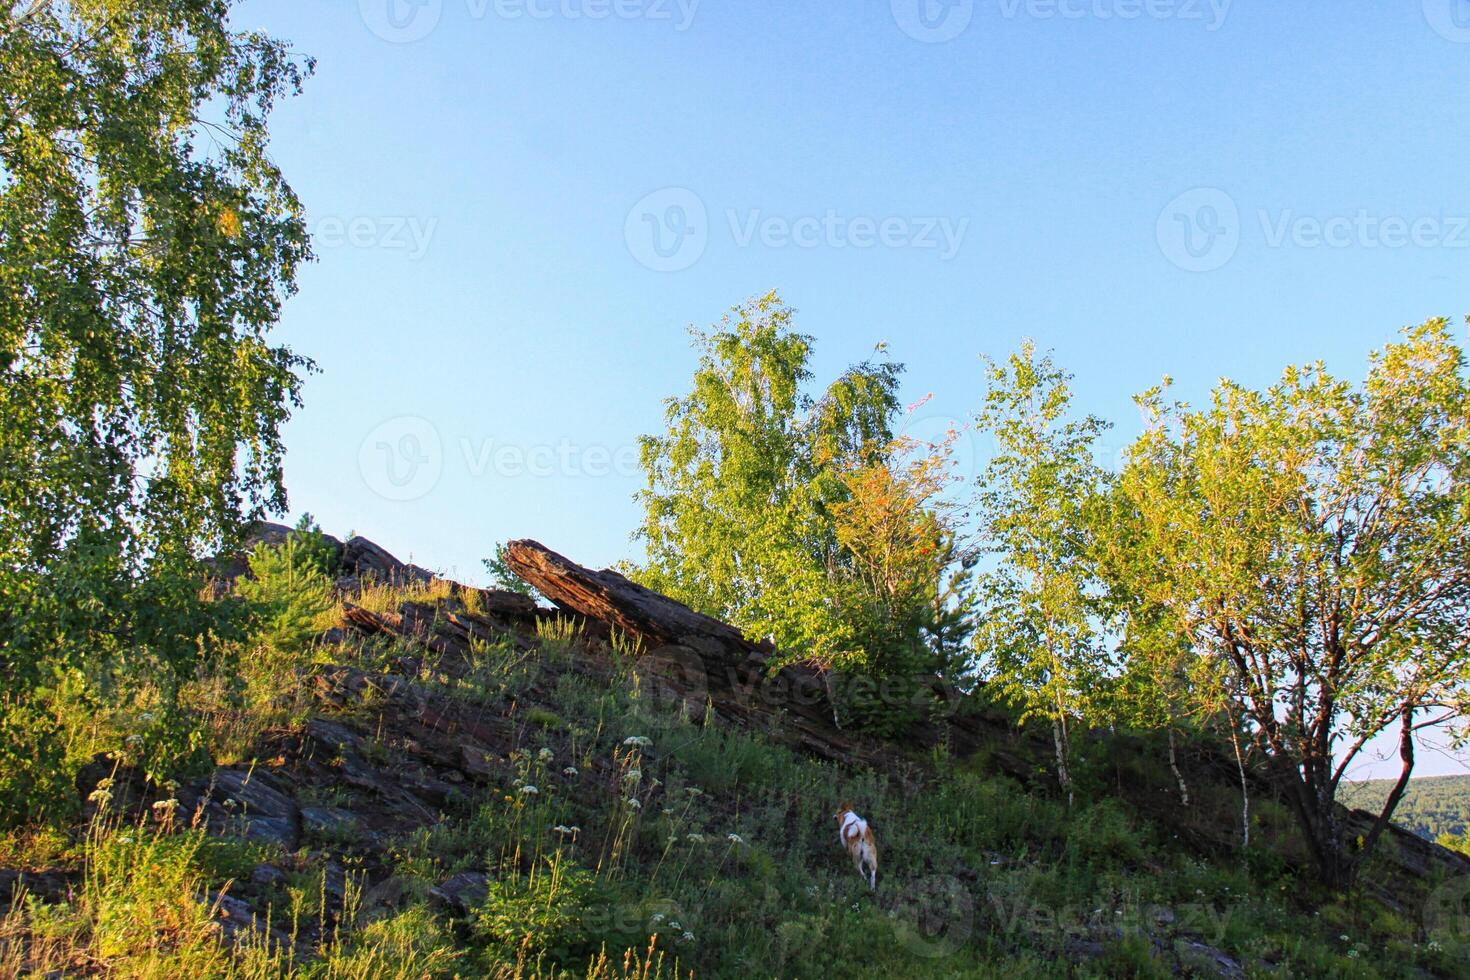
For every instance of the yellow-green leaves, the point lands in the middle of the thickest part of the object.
(797, 516)
(146, 245)
(1310, 545)
(1038, 635)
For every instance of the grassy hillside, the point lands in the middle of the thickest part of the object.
(448, 782)
(1431, 806)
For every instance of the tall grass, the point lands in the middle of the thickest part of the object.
(622, 838)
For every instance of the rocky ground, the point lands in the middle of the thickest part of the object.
(396, 740)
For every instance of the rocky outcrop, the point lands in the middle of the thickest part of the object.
(357, 559)
(245, 802)
(363, 559)
(407, 728)
(695, 658)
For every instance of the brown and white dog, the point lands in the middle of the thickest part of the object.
(855, 834)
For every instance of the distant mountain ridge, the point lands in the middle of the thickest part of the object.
(1432, 805)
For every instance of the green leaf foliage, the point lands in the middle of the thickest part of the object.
(767, 505)
(1038, 639)
(147, 242)
(1310, 544)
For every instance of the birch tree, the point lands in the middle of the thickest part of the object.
(1037, 635)
(147, 242)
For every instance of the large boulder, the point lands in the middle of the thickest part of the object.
(366, 560)
(246, 803)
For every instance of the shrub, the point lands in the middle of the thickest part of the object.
(544, 910)
(411, 945)
(289, 593)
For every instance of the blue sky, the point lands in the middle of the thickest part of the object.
(520, 205)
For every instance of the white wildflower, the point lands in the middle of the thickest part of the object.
(529, 790)
(545, 755)
(562, 828)
(641, 741)
(688, 937)
(569, 771)
(735, 838)
(694, 838)
(633, 802)
(633, 775)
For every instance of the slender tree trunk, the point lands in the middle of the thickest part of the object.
(831, 698)
(1174, 765)
(1059, 739)
(1245, 793)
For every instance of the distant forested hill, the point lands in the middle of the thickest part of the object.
(1431, 806)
